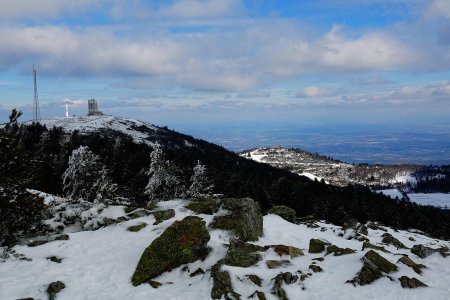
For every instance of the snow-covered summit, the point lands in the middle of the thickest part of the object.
(138, 130)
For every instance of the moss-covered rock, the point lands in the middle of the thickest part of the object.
(367, 245)
(286, 250)
(245, 219)
(411, 283)
(183, 242)
(162, 215)
(255, 279)
(54, 288)
(138, 227)
(222, 285)
(204, 206)
(423, 251)
(374, 267)
(274, 264)
(37, 243)
(317, 246)
(154, 284)
(389, 239)
(315, 269)
(55, 259)
(242, 254)
(199, 271)
(139, 213)
(62, 237)
(258, 294)
(277, 288)
(410, 263)
(285, 212)
(339, 251)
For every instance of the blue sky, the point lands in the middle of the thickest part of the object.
(210, 61)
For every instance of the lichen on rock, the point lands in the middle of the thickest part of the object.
(317, 246)
(183, 242)
(242, 254)
(136, 228)
(285, 212)
(54, 288)
(389, 239)
(222, 285)
(245, 219)
(204, 206)
(374, 267)
(162, 215)
(339, 251)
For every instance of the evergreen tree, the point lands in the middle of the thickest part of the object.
(201, 185)
(165, 178)
(86, 178)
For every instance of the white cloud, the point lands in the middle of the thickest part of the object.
(438, 8)
(200, 8)
(314, 91)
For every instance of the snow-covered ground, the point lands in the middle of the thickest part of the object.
(312, 176)
(99, 264)
(434, 199)
(87, 124)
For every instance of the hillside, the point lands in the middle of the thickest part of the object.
(36, 156)
(100, 264)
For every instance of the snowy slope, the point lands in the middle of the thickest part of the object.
(87, 124)
(99, 265)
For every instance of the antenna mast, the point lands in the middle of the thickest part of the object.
(36, 110)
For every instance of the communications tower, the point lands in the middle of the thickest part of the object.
(36, 110)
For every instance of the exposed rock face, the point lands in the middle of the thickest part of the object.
(245, 219)
(183, 242)
(162, 215)
(423, 251)
(371, 246)
(242, 254)
(54, 288)
(374, 267)
(389, 239)
(411, 283)
(204, 206)
(274, 264)
(222, 285)
(317, 246)
(410, 263)
(286, 250)
(339, 251)
(285, 212)
(136, 228)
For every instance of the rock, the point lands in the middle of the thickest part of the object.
(411, 283)
(317, 246)
(129, 209)
(54, 288)
(139, 213)
(242, 254)
(138, 227)
(389, 239)
(277, 288)
(319, 258)
(29, 298)
(274, 264)
(122, 219)
(255, 279)
(285, 212)
(222, 285)
(62, 237)
(315, 269)
(303, 277)
(204, 206)
(371, 246)
(199, 271)
(374, 267)
(37, 243)
(410, 263)
(260, 295)
(182, 242)
(339, 251)
(155, 284)
(423, 251)
(55, 259)
(286, 250)
(162, 215)
(245, 219)
(362, 229)
(411, 239)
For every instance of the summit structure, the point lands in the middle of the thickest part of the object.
(93, 108)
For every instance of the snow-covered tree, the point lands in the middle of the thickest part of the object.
(201, 185)
(165, 178)
(86, 178)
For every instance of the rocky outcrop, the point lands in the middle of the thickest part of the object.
(389, 239)
(374, 267)
(423, 251)
(315, 268)
(410, 263)
(286, 250)
(286, 278)
(162, 215)
(275, 264)
(339, 251)
(54, 288)
(411, 283)
(138, 227)
(285, 212)
(204, 206)
(317, 246)
(367, 245)
(183, 242)
(245, 219)
(242, 254)
(222, 286)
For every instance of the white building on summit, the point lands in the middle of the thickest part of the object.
(93, 109)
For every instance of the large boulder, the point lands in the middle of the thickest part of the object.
(183, 242)
(374, 267)
(204, 206)
(317, 246)
(285, 212)
(423, 251)
(245, 219)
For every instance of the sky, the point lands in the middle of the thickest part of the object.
(206, 62)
